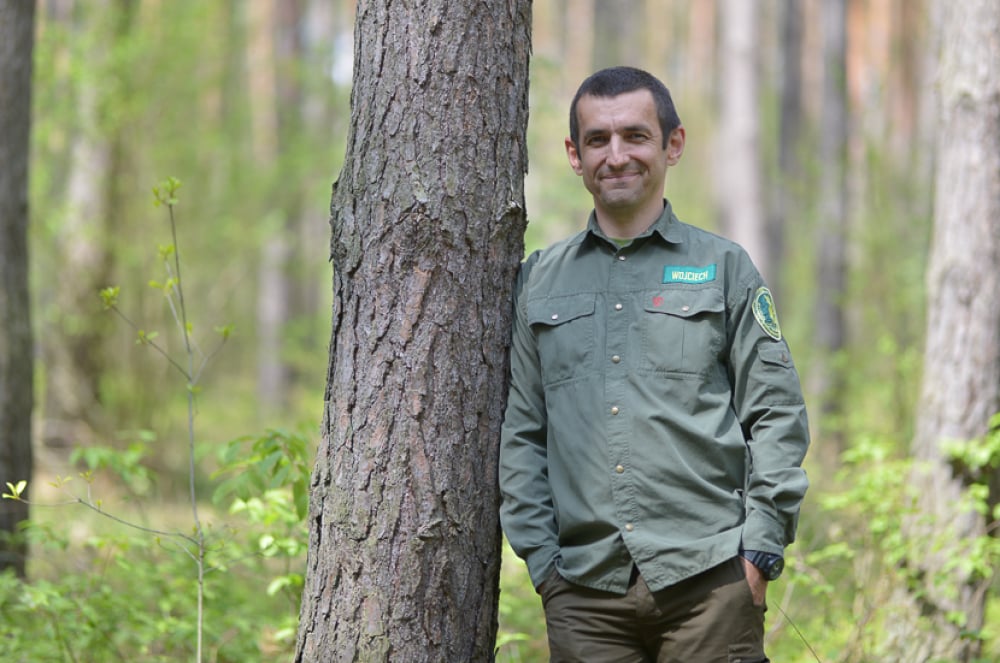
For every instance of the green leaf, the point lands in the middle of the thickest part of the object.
(225, 331)
(109, 296)
(300, 493)
(165, 192)
(15, 490)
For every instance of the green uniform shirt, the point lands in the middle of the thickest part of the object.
(655, 416)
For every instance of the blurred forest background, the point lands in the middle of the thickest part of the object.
(810, 129)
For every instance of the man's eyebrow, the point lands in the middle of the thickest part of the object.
(591, 133)
(641, 128)
(632, 128)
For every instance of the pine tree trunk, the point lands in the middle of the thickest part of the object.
(428, 223)
(268, 69)
(17, 19)
(786, 202)
(831, 236)
(739, 163)
(74, 341)
(618, 33)
(961, 384)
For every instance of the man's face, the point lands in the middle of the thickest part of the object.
(621, 156)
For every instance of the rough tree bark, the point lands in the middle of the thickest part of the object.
(17, 38)
(961, 383)
(428, 224)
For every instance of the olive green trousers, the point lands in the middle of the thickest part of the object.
(709, 618)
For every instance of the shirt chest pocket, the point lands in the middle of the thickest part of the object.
(565, 329)
(683, 330)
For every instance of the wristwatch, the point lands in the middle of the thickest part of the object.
(770, 565)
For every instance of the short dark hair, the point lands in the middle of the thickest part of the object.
(618, 80)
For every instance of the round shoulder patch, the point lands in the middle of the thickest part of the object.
(766, 314)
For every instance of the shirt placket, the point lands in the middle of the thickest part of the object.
(618, 415)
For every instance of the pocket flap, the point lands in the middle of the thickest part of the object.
(553, 311)
(685, 303)
(775, 353)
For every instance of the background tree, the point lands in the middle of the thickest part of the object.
(740, 190)
(831, 233)
(961, 384)
(17, 26)
(785, 208)
(428, 221)
(74, 335)
(618, 33)
(175, 88)
(289, 110)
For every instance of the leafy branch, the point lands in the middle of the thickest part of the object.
(190, 365)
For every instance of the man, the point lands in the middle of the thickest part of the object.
(651, 452)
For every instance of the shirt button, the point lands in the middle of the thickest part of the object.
(616, 359)
(614, 410)
(685, 308)
(555, 316)
(622, 258)
(620, 469)
(629, 527)
(618, 307)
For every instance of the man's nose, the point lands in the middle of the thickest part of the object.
(617, 153)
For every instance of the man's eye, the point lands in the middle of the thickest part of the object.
(597, 140)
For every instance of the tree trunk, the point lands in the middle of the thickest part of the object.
(269, 30)
(961, 384)
(75, 338)
(17, 25)
(618, 32)
(428, 223)
(831, 235)
(576, 46)
(739, 164)
(786, 200)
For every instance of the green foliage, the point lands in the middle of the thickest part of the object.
(103, 591)
(147, 84)
(870, 554)
(521, 637)
(268, 484)
(128, 588)
(14, 491)
(256, 466)
(109, 296)
(126, 464)
(976, 460)
(166, 88)
(165, 193)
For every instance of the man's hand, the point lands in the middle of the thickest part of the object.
(758, 585)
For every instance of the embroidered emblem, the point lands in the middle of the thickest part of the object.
(682, 274)
(766, 314)
(657, 301)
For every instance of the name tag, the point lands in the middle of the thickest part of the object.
(683, 274)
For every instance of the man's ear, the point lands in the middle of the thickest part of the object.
(675, 145)
(574, 157)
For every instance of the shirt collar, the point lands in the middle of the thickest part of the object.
(666, 226)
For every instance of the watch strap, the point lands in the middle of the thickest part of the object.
(770, 565)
